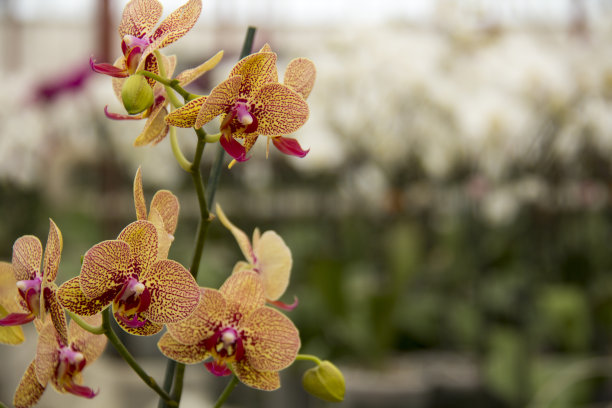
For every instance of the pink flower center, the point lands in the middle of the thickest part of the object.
(134, 298)
(226, 345)
(68, 372)
(29, 290)
(132, 48)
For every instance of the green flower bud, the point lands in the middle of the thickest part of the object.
(136, 94)
(325, 381)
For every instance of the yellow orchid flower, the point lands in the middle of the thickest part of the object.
(234, 327)
(268, 255)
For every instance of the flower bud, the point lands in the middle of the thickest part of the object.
(136, 94)
(325, 381)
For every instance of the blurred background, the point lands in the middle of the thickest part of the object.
(450, 227)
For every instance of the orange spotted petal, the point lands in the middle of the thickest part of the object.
(29, 389)
(244, 289)
(167, 204)
(148, 329)
(46, 352)
(183, 353)
(242, 238)
(266, 48)
(283, 110)
(54, 309)
(273, 340)
(262, 380)
(91, 345)
(27, 254)
(105, 268)
(174, 292)
(274, 263)
(155, 128)
(300, 76)
(221, 98)
(256, 71)
(71, 297)
(141, 236)
(205, 319)
(179, 22)
(139, 17)
(53, 252)
(186, 115)
(189, 75)
(139, 199)
(164, 240)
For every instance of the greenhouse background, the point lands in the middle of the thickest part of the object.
(451, 228)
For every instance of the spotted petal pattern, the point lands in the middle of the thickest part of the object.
(141, 237)
(186, 115)
(256, 70)
(300, 76)
(27, 254)
(179, 22)
(204, 320)
(283, 110)
(183, 353)
(220, 99)
(174, 292)
(262, 380)
(72, 298)
(105, 267)
(139, 17)
(29, 389)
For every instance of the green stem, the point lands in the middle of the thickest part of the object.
(168, 379)
(162, 72)
(226, 392)
(205, 218)
(125, 354)
(172, 83)
(176, 150)
(308, 357)
(85, 325)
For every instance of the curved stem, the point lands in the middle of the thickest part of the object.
(172, 83)
(308, 357)
(168, 379)
(86, 326)
(226, 392)
(125, 354)
(179, 375)
(162, 72)
(176, 150)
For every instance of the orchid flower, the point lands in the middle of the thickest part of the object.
(35, 285)
(139, 40)
(268, 255)
(155, 128)
(9, 304)
(146, 292)
(163, 213)
(60, 358)
(252, 102)
(234, 327)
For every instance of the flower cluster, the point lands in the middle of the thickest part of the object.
(236, 329)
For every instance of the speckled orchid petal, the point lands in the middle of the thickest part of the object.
(274, 263)
(139, 17)
(241, 238)
(105, 267)
(71, 297)
(183, 353)
(174, 292)
(282, 110)
(164, 240)
(29, 389)
(141, 236)
(289, 146)
(8, 304)
(300, 76)
(261, 380)
(266, 48)
(91, 345)
(273, 340)
(155, 128)
(54, 309)
(107, 69)
(179, 22)
(139, 200)
(27, 255)
(167, 204)
(147, 329)
(204, 320)
(53, 252)
(244, 290)
(46, 351)
(190, 75)
(256, 70)
(186, 115)
(220, 99)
